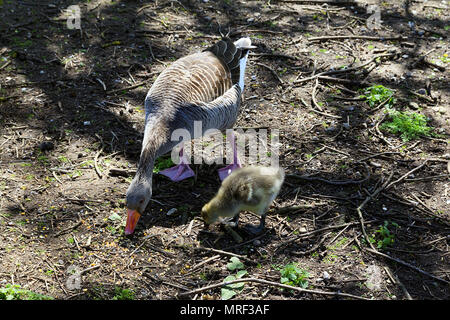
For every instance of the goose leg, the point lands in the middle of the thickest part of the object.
(225, 172)
(181, 171)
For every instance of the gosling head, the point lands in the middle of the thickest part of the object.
(207, 215)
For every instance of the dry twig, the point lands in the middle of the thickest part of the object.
(271, 283)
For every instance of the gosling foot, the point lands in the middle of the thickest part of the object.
(252, 229)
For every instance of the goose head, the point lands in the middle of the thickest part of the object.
(138, 196)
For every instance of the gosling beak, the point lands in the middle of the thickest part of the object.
(132, 219)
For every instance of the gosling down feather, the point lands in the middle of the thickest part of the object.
(204, 86)
(247, 189)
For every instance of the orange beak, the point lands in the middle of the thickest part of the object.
(132, 219)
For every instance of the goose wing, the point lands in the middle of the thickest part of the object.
(204, 86)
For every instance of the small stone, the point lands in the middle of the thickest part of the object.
(422, 91)
(405, 56)
(302, 229)
(349, 108)
(414, 105)
(87, 123)
(171, 211)
(326, 275)
(375, 164)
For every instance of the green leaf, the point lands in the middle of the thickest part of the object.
(115, 217)
(241, 273)
(227, 294)
(235, 264)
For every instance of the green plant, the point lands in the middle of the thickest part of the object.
(230, 290)
(235, 264)
(162, 163)
(123, 294)
(385, 236)
(377, 94)
(410, 125)
(292, 275)
(14, 292)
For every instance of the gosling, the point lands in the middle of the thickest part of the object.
(246, 189)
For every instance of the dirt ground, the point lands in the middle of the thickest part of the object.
(71, 123)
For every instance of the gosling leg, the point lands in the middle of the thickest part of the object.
(256, 229)
(233, 223)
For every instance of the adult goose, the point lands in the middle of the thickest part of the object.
(204, 86)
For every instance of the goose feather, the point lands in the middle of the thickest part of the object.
(204, 86)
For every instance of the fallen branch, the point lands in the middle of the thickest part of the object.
(275, 55)
(306, 234)
(271, 283)
(226, 253)
(421, 58)
(345, 81)
(403, 177)
(368, 198)
(342, 182)
(313, 96)
(332, 2)
(67, 229)
(128, 88)
(298, 207)
(358, 37)
(271, 70)
(313, 248)
(345, 70)
(405, 264)
(121, 172)
(97, 170)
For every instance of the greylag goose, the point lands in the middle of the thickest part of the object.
(250, 188)
(204, 86)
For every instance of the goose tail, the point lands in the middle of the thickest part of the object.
(244, 43)
(234, 55)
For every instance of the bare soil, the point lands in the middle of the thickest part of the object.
(62, 203)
